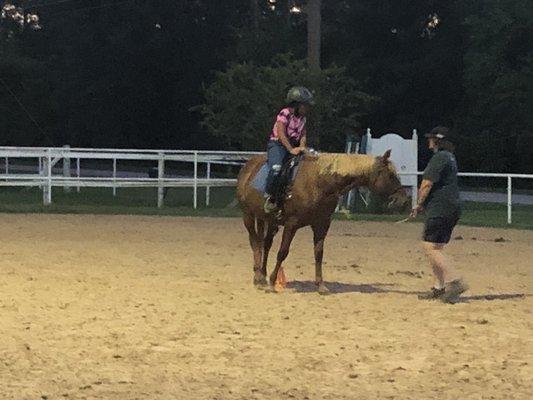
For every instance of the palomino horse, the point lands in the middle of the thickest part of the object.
(319, 182)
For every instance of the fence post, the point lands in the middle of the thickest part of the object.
(414, 188)
(160, 177)
(47, 193)
(66, 166)
(114, 177)
(40, 167)
(208, 188)
(78, 173)
(509, 200)
(195, 193)
(7, 165)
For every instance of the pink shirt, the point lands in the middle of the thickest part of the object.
(294, 125)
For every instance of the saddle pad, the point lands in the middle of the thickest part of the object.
(260, 179)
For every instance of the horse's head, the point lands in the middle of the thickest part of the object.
(385, 181)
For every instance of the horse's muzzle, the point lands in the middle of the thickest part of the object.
(398, 200)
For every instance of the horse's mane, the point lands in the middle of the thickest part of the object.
(345, 164)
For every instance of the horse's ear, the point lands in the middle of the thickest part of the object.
(386, 155)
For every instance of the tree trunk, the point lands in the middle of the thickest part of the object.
(287, 12)
(254, 7)
(314, 16)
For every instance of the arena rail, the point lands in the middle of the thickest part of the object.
(47, 157)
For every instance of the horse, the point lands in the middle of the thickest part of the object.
(319, 182)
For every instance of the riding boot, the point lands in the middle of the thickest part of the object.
(272, 188)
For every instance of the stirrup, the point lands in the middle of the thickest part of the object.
(269, 206)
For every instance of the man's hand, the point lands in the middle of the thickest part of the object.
(415, 211)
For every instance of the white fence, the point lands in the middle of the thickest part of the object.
(508, 177)
(46, 158)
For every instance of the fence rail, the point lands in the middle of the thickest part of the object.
(48, 157)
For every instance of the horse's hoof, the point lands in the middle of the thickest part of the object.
(270, 289)
(323, 290)
(260, 281)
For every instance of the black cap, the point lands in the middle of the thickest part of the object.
(439, 132)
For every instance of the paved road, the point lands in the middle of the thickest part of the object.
(492, 197)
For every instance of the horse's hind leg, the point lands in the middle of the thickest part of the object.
(319, 235)
(255, 235)
(270, 232)
(288, 235)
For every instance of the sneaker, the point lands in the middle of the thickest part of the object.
(269, 205)
(432, 294)
(453, 290)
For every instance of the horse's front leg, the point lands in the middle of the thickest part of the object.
(288, 235)
(319, 235)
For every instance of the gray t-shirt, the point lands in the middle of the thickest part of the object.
(443, 200)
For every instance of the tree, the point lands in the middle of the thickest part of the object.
(496, 119)
(254, 7)
(242, 102)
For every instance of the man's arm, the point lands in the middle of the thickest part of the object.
(423, 193)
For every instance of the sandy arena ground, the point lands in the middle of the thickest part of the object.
(128, 307)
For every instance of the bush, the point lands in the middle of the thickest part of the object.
(241, 104)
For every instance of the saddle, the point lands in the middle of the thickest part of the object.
(285, 180)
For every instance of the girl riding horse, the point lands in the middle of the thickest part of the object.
(288, 137)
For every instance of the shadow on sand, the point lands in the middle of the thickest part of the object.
(340, 287)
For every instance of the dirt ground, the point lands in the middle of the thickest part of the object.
(128, 307)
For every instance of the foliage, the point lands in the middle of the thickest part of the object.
(242, 102)
(498, 77)
(126, 74)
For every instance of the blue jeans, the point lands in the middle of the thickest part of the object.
(277, 155)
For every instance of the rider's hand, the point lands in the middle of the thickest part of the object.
(297, 150)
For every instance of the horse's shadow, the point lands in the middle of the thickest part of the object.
(370, 288)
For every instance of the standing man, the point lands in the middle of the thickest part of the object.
(439, 197)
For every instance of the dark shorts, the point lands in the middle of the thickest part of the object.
(439, 229)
